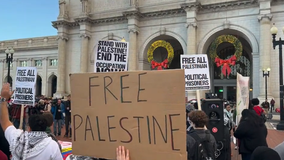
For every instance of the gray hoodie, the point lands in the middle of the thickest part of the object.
(280, 150)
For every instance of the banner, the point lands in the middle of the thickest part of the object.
(242, 95)
(111, 56)
(25, 85)
(196, 70)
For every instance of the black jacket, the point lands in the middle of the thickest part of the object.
(4, 145)
(250, 136)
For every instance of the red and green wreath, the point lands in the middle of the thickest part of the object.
(227, 62)
(166, 62)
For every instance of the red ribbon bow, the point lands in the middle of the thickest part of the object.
(161, 65)
(226, 64)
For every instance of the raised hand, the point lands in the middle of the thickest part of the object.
(5, 91)
(122, 153)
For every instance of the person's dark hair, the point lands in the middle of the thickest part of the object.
(195, 105)
(252, 117)
(199, 118)
(255, 101)
(49, 119)
(37, 122)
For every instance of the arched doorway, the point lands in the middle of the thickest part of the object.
(161, 53)
(10, 80)
(225, 85)
(52, 85)
(38, 86)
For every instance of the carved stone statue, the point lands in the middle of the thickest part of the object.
(85, 6)
(62, 9)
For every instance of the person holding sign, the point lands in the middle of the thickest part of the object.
(27, 145)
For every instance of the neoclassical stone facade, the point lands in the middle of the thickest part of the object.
(189, 25)
(39, 52)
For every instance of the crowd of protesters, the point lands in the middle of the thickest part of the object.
(38, 142)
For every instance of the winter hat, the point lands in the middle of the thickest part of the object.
(255, 101)
(264, 153)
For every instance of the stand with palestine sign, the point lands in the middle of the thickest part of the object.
(25, 86)
(196, 73)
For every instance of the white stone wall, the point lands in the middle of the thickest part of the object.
(42, 48)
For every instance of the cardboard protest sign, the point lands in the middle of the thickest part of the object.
(111, 56)
(25, 85)
(196, 70)
(133, 109)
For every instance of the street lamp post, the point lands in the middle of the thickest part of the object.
(274, 30)
(9, 59)
(266, 74)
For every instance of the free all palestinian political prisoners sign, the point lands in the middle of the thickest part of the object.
(196, 70)
(111, 56)
(25, 85)
(132, 109)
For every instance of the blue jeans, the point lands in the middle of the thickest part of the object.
(57, 126)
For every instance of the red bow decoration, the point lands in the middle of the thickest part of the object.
(226, 64)
(161, 65)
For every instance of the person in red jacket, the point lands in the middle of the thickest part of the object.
(256, 107)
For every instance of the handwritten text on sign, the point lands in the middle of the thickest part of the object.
(132, 109)
(111, 56)
(197, 75)
(25, 85)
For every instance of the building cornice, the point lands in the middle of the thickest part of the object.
(30, 43)
(207, 8)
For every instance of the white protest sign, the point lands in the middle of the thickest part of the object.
(242, 95)
(111, 56)
(196, 70)
(25, 85)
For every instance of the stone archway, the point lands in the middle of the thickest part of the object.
(38, 86)
(10, 80)
(225, 86)
(52, 85)
(161, 54)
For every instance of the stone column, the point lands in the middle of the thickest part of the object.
(2, 69)
(256, 71)
(61, 68)
(44, 76)
(191, 9)
(265, 49)
(133, 29)
(84, 63)
(133, 54)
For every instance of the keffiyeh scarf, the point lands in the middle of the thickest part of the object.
(28, 144)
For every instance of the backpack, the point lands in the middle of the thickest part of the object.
(203, 151)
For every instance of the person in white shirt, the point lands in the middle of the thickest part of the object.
(34, 144)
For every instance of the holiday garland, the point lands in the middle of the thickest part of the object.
(166, 62)
(228, 62)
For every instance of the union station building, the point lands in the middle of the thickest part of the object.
(235, 28)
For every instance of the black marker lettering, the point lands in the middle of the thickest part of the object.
(138, 124)
(88, 122)
(74, 124)
(109, 128)
(140, 89)
(106, 88)
(173, 130)
(149, 130)
(130, 136)
(90, 91)
(122, 88)
(98, 127)
(165, 136)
